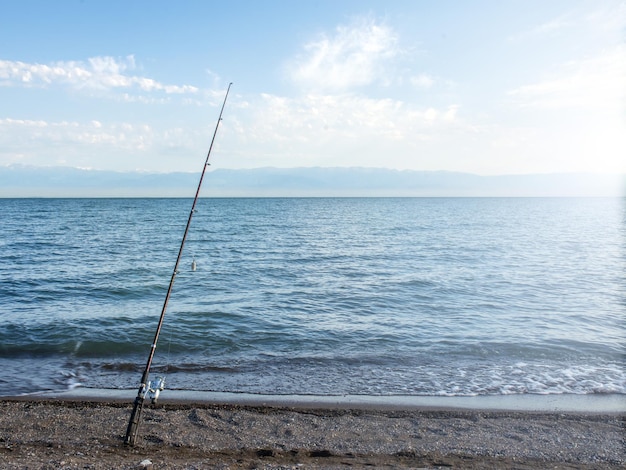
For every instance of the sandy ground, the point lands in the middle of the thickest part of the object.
(49, 434)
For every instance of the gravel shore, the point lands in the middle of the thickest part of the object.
(49, 434)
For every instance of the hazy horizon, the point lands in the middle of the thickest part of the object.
(28, 181)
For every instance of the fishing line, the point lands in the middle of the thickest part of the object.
(168, 362)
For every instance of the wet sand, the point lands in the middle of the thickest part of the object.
(49, 433)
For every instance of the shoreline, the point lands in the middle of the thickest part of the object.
(86, 430)
(563, 403)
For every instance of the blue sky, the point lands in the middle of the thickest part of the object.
(486, 87)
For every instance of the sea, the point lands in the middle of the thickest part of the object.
(315, 296)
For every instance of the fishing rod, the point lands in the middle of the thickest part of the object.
(146, 387)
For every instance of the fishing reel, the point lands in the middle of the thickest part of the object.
(156, 389)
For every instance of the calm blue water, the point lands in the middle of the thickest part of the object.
(316, 296)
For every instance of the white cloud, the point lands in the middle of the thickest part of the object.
(575, 116)
(354, 56)
(571, 117)
(609, 18)
(96, 73)
(22, 122)
(423, 81)
(606, 20)
(592, 83)
(334, 120)
(548, 28)
(333, 130)
(119, 146)
(38, 141)
(345, 116)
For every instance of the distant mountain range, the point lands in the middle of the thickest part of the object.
(25, 181)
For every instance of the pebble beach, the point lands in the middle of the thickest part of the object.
(45, 433)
